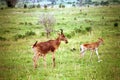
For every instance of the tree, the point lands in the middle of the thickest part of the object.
(48, 21)
(11, 3)
(53, 2)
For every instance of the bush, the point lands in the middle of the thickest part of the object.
(75, 18)
(77, 29)
(33, 6)
(103, 3)
(45, 6)
(116, 24)
(48, 21)
(80, 30)
(38, 6)
(70, 35)
(103, 17)
(1, 8)
(18, 36)
(29, 33)
(73, 5)
(25, 6)
(30, 23)
(88, 29)
(43, 34)
(2, 38)
(61, 5)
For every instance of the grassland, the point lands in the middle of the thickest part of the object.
(19, 30)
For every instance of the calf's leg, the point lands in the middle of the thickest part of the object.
(35, 58)
(53, 58)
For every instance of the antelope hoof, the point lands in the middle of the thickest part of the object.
(35, 66)
(99, 60)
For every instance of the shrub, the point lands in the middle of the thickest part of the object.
(21, 23)
(25, 23)
(45, 6)
(73, 4)
(88, 29)
(2, 38)
(48, 21)
(75, 18)
(103, 3)
(33, 6)
(1, 8)
(63, 18)
(42, 34)
(116, 24)
(61, 5)
(18, 36)
(70, 35)
(38, 6)
(29, 33)
(30, 23)
(25, 5)
(78, 29)
(103, 17)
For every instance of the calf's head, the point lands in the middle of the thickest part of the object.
(62, 37)
(100, 40)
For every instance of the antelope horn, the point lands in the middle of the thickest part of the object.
(61, 31)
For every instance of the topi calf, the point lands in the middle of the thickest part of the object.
(92, 46)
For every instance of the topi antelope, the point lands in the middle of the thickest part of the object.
(92, 46)
(42, 48)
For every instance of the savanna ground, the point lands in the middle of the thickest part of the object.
(19, 31)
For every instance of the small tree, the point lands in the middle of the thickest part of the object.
(48, 21)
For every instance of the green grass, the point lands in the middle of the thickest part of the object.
(16, 55)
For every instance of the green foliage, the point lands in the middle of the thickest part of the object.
(88, 29)
(61, 5)
(19, 36)
(43, 34)
(2, 38)
(80, 30)
(25, 5)
(45, 6)
(104, 3)
(115, 24)
(70, 34)
(27, 34)
(38, 6)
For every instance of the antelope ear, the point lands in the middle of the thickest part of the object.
(59, 34)
(61, 31)
(99, 38)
